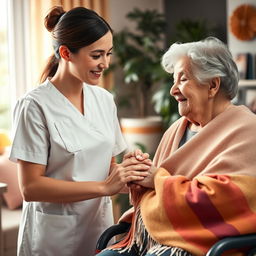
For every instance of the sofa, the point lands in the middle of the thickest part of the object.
(9, 230)
(10, 206)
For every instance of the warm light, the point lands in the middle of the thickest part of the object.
(4, 141)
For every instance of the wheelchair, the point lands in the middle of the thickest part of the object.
(247, 242)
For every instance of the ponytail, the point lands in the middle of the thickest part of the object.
(50, 22)
(50, 68)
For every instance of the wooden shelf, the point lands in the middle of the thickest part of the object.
(243, 87)
(247, 83)
(3, 188)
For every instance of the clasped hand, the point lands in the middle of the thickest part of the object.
(135, 170)
(147, 181)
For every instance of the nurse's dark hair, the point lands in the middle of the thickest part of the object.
(75, 29)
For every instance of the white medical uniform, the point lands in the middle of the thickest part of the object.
(49, 130)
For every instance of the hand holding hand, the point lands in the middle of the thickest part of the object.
(130, 170)
(138, 154)
(148, 181)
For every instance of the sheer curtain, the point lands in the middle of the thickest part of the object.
(40, 39)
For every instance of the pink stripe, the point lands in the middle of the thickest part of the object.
(208, 215)
(180, 217)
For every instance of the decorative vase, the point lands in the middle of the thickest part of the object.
(142, 133)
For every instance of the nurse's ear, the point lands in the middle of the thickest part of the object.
(214, 87)
(64, 52)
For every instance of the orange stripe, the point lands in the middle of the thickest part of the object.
(141, 130)
(199, 201)
(232, 196)
(155, 219)
(183, 219)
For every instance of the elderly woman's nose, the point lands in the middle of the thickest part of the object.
(173, 89)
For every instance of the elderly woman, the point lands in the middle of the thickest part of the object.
(203, 179)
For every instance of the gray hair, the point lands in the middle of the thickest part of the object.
(209, 58)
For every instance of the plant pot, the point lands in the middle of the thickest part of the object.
(142, 133)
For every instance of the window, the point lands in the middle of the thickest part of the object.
(25, 46)
(5, 100)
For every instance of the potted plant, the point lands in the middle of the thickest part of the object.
(138, 53)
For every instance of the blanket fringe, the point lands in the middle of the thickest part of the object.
(159, 250)
(138, 231)
(146, 244)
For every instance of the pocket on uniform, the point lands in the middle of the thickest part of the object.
(54, 234)
(71, 140)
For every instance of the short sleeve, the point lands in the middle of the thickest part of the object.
(120, 144)
(30, 134)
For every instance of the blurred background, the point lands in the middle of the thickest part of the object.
(143, 31)
(25, 44)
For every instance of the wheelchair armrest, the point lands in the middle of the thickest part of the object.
(120, 228)
(235, 242)
(228, 243)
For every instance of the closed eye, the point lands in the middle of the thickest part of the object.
(95, 57)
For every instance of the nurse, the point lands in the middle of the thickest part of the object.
(66, 134)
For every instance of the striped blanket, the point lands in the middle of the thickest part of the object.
(204, 190)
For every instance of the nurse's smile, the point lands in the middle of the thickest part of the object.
(89, 63)
(97, 74)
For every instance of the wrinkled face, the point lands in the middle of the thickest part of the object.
(192, 96)
(90, 61)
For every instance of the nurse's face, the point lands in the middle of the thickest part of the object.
(90, 61)
(192, 97)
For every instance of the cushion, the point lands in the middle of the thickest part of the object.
(10, 226)
(8, 175)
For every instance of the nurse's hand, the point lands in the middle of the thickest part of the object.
(130, 170)
(138, 154)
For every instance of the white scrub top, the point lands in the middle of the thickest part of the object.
(49, 130)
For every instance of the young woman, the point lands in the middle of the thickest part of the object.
(66, 134)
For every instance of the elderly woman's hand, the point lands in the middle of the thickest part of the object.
(139, 155)
(148, 181)
(130, 170)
